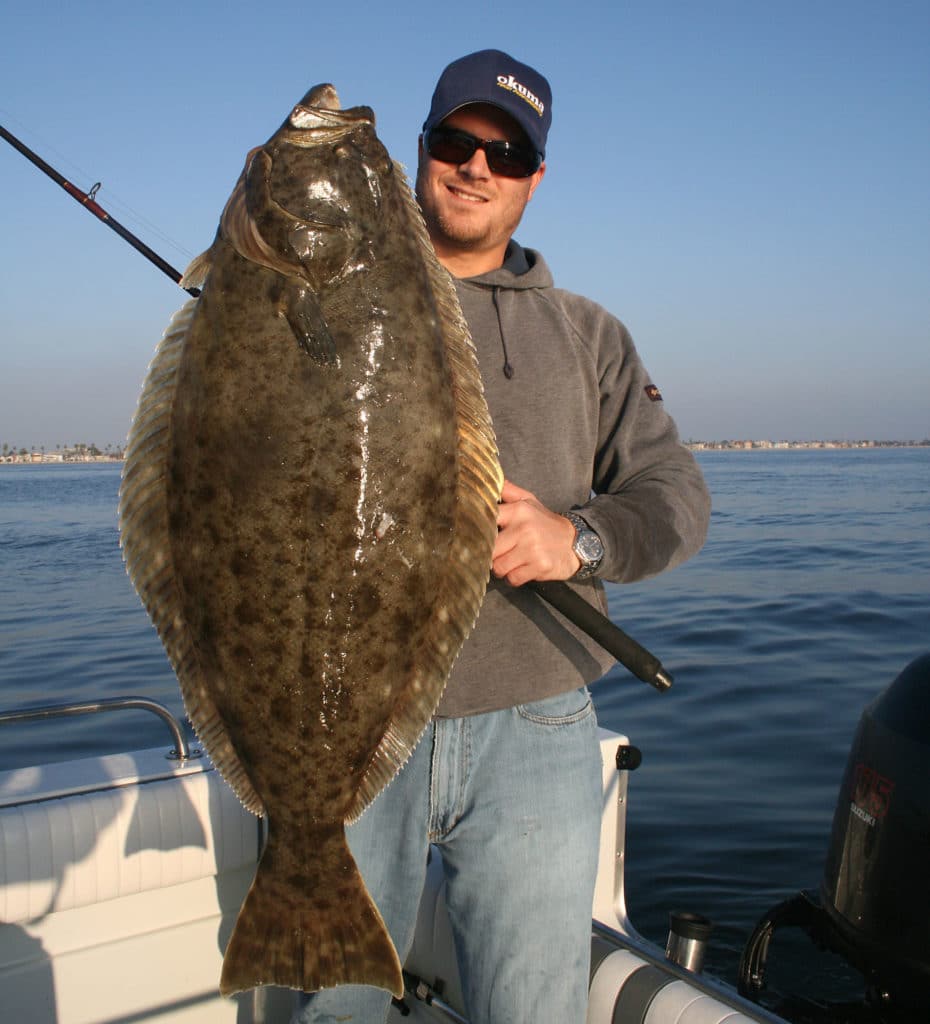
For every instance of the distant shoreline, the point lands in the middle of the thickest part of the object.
(17, 460)
(713, 446)
(70, 458)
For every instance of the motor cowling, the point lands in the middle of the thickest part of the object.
(873, 905)
(876, 882)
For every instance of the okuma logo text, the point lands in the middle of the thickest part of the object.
(509, 82)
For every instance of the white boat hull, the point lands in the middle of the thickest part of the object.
(121, 877)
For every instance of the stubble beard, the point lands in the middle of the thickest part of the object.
(455, 232)
(444, 229)
(466, 238)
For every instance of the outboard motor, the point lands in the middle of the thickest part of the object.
(873, 907)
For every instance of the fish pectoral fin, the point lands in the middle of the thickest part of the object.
(301, 309)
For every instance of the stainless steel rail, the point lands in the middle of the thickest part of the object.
(180, 752)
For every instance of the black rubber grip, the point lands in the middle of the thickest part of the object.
(624, 648)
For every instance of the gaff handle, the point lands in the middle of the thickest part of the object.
(632, 655)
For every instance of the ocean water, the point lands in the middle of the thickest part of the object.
(811, 594)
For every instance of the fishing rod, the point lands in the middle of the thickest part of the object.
(89, 202)
(632, 655)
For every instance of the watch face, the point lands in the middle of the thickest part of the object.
(588, 547)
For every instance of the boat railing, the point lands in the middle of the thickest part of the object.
(606, 939)
(181, 751)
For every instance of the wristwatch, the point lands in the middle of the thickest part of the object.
(587, 546)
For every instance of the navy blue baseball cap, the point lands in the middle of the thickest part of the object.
(490, 76)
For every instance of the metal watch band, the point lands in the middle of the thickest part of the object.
(587, 546)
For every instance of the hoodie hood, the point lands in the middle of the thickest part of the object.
(522, 268)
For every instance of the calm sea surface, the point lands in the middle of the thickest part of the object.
(811, 594)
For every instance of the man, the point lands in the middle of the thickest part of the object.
(507, 778)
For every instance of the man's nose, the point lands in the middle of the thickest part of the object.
(476, 166)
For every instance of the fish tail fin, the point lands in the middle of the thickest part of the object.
(310, 926)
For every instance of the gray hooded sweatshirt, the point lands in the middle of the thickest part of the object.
(580, 424)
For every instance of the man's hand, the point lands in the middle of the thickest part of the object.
(533, 542)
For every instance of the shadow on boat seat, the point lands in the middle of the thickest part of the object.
(120, 881)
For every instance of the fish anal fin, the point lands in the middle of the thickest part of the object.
(309, 926)
(451, 622)
(407, 724)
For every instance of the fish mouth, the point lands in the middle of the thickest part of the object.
(320, 113)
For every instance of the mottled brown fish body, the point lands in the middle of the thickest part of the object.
(308, 513)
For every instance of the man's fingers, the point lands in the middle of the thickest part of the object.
(510, 492)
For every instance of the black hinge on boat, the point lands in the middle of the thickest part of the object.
(429, 994)
(629, 758)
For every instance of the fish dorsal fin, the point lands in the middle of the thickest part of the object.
(463, 579)
(144, 538)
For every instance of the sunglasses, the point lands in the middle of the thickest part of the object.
(508, 159)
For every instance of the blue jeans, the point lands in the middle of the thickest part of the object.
(513, 798)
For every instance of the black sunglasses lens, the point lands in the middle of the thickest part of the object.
(504, 158)
(451, 147)
(511, 161)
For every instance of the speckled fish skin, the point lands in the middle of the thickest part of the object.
(308, 512)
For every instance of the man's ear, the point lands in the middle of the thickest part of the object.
(536, 179)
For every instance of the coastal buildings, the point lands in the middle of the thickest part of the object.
(90, 453)
(797, 445)
(76, 453)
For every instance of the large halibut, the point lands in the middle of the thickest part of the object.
(307, 511)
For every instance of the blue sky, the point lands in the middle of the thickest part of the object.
(745, 184)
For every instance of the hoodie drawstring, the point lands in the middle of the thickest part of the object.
(508, 366)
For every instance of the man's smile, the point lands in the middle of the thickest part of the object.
(471, 197)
